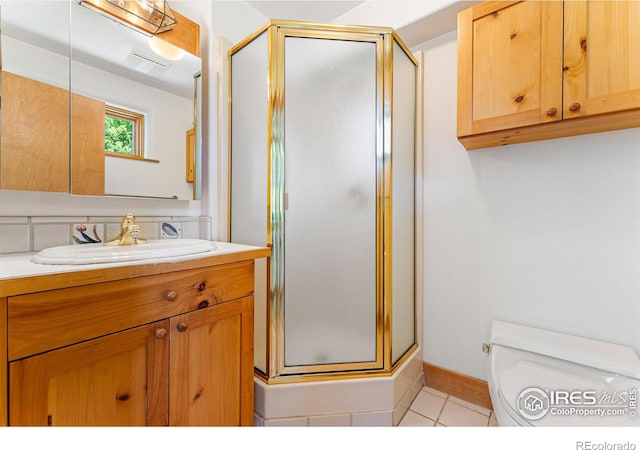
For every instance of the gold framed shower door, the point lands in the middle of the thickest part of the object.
(383, 38)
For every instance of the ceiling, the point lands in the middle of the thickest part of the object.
(95, 40)
(440, 20)
(310, 11)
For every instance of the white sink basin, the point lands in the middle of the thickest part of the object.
(100, 253)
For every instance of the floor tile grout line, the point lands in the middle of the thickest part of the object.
(446, 399)
(472, 409)
(421, 415)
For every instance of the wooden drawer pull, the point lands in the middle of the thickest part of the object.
(161, 333)
(552, 111)
(575, 107)
(171, 295)
(182, 327)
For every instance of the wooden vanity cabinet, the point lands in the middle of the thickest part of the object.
(115, 380)
(167, 349)
(530, 70)
(211, 375)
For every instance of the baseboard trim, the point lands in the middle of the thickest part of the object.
(457, 384)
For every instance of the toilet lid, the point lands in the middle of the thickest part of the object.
(528, 391)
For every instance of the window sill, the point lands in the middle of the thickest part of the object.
(137, 158)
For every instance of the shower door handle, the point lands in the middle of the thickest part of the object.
(285, 200)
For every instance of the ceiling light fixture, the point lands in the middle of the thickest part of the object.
(164, 49)
(150, 16)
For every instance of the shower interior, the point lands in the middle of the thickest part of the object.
(322, 170)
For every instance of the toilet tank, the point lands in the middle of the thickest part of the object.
(601, 355)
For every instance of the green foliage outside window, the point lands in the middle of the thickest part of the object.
(118, 136)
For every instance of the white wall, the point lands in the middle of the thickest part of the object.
(545, 234)
(231, 21)
(395, 14)
(235, 20)
(27, 60)
(167, 118)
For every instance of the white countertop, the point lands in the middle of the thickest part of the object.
(18, 265)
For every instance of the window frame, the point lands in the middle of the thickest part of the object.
(137, 140)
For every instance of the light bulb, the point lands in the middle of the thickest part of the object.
(164, 49)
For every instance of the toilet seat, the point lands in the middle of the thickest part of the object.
(524, 374)
(514, 370)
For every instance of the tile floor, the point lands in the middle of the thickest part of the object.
(433, 408)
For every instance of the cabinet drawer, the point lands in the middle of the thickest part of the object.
(52, 319)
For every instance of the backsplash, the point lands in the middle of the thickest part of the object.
(32, 234)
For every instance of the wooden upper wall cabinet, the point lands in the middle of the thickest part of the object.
(533, 70)
(601, 57)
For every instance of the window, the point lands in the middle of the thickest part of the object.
(123, 133)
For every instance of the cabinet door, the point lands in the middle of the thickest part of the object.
(87, 145)
(510, 65)
(211, 370)
(35, 135)
(602, 57)
(116, 380)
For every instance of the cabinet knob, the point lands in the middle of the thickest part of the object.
(575, 107)
(552, 111)
(171, 295)
(161, 333)
(182, 327)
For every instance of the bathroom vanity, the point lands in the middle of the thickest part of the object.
(160, 342)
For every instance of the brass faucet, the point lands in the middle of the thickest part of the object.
(129, 230)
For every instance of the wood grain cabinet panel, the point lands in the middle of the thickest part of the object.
(507, 51)
(212, 366)
(116, 380)
(46, 320)
(602, 57)
(35, 135)
(172, 348)
(526, 67)
(35, 138)
(87, 145)
(4, 401)
(185, 35)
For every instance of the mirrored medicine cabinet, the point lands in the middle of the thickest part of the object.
(68, 75)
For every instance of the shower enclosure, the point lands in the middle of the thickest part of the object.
(322, 170)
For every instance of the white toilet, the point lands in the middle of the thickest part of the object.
(543, 378)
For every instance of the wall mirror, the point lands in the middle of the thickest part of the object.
(72, 79)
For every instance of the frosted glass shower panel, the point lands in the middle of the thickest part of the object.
(403, 186)
(330, 181)
(248, 208)
(250, 95)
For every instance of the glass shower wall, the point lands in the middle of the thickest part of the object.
(330, 171)
(403, 129)
(249, 168)
(322, 170)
